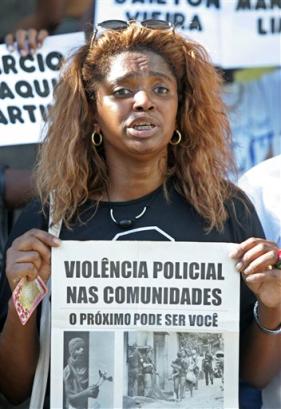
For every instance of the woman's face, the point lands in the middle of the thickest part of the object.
(137, 106)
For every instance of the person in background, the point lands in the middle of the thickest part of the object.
(77, 390)
(138, 147)
(148, 370)
(193, 365)
(16, 189)
(24, 27)
(134, 370)
(262, 184)
(26, 24)
(207, 368)
(179, 366)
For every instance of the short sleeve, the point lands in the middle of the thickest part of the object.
(245, 223)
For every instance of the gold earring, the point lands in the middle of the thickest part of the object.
(176, 141)
(95, 142)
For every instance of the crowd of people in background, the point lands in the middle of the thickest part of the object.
(191, 366)
(190, 371)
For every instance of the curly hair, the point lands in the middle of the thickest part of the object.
(75, 171)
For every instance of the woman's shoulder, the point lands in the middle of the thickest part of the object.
(239, 199)
(242, 215)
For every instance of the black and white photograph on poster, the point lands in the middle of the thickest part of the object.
(87, 370)
(173, 370)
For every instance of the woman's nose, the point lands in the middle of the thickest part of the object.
(143, 101)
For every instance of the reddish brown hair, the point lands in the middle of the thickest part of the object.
(74, 170)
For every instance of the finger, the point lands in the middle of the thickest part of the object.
(9, 40)
(21, 270)
(263, 262)
(263, 252)
(264, 276)
(257, 278)
(21, 42)
(17, 259)
(41, 37)
(247, 245)
(32, 40)
(45, 237)
(36, 240)
(29, 257)
(261, 247)
(32, 243)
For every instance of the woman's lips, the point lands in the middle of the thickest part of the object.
(142, 131)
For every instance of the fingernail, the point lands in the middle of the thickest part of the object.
(23, 53)
(238, 266)
(57, 241)
(251, 278)
(11, 48)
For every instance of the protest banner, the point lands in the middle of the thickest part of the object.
(251, 33)
(236, 33)
(26, 87)
(123, 311)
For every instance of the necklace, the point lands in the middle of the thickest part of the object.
(127, 222)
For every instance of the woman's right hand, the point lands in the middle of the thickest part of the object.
(29, 256)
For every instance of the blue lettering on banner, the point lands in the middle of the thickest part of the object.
(192, 3)
(269, 26)
(177, 16)
(258, 4)
(177, 19)
(26, 113)
(31, 63)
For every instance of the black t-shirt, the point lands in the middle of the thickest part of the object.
(163, 219)
(160, 219)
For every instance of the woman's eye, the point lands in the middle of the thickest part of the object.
(161, 90)
(122, 92)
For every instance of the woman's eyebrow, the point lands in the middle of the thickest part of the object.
(132, 75)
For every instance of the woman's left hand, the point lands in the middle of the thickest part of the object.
(255, 260)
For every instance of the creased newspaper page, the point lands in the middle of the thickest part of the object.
(144, 325)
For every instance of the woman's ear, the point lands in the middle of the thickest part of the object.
(96, 127)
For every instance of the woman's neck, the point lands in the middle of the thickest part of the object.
(132, 182)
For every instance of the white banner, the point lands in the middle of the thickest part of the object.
(137, 320)
(236, 33)
(26, 87)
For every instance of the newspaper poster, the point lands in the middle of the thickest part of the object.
(138, 324)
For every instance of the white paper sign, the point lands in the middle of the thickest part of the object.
(121, 308)
(26, 87)
(199, 20)
(236, 33)
(251, 33)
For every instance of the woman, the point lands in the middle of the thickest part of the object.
(138, 149)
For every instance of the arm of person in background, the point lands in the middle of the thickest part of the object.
(18, 187)
(32, 30)
(261, 352)
(28, 256)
